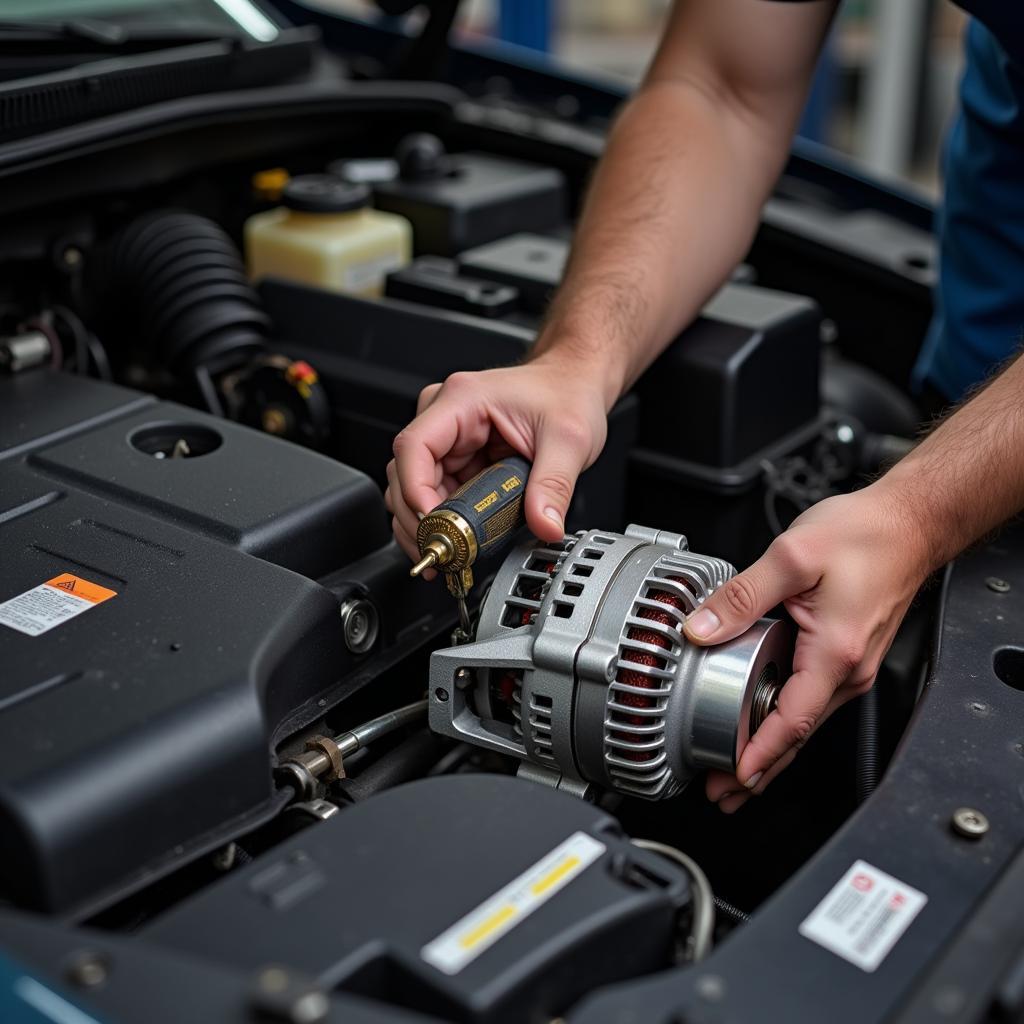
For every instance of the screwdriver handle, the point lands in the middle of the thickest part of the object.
(492, 501)
(476, 519)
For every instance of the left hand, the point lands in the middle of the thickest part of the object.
(846, 571)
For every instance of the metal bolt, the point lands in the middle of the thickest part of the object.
(88, 970)
(274, 420)
(969, 823)
(996, 585)
(311, 1007)
(361, 623)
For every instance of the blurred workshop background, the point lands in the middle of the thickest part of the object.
(884, 93)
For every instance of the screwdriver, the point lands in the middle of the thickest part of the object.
(477, 519)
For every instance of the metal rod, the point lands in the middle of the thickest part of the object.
(366, 733)
(306, 767)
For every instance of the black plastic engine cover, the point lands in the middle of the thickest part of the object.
(481, 198)
(140, 730)
(359, 901)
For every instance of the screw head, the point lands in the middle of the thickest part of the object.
(274, 420)
(361, 624)
(969, 823)
(996, 585)
(88, 969)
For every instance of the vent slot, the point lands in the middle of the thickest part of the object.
(650, 647)
(540, 726)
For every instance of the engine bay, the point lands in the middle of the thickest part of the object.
(238, 737)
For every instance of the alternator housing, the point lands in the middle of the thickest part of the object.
(581, 670)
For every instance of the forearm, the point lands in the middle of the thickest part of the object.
(967, 476)
(671, 211)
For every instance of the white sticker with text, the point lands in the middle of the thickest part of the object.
(864, 915)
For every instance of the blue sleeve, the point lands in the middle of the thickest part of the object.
(980, 305)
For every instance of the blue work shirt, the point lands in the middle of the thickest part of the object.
(979, 319)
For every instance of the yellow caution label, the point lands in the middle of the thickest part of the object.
(492, 924)
(483, 926)
(511, 484)
(486, 502)
(555, 876)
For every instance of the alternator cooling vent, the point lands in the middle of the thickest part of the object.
(530, 582)
(650, 648)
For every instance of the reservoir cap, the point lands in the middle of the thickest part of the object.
(324, 193)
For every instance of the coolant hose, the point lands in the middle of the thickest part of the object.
(183, 290)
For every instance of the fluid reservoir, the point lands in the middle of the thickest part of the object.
(326, 234)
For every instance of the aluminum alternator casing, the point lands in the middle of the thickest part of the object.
(580, 667)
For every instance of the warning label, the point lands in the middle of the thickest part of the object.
(465, 940)
(51, 603)
(863, 915)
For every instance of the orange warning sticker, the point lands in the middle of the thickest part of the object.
(71, 584)
(40, 609)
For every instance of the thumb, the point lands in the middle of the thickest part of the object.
(736, 605)
(558, 460)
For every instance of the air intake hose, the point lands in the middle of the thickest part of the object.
(184, 292)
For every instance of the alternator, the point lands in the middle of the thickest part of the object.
(580, 667)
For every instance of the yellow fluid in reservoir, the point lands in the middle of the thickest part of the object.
(350, 252)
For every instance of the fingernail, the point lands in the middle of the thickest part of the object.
(753, 780)
(554, 515)
(725, 796)
(702, 623)
(420, 516)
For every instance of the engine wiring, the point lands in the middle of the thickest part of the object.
(703, 919)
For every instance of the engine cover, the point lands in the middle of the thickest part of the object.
(476, 898)
(581, 668)
(137, 729)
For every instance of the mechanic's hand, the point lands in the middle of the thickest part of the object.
(846, 571)
(546, 410)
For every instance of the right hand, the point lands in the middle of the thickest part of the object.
(548, 410)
